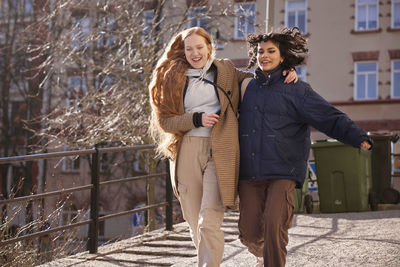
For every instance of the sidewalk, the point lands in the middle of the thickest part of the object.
(339, 239)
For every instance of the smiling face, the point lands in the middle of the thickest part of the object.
(268, 56)
(197, 51)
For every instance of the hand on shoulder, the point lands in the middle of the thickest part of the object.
(245, 83)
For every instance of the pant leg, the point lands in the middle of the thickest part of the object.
(278, 216)
(251, 224)
(211, 237)
(200, 199)
(190, 183)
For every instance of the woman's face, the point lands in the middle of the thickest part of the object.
(196, 51)
(268, 56)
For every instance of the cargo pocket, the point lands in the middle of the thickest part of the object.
(290, 207)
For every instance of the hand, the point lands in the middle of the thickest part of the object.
(365, 145)
(209, 119)
(291, 76)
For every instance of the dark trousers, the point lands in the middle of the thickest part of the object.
(266, 213)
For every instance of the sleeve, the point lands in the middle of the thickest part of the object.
(243, 75)
(320, 114)
(178, 123)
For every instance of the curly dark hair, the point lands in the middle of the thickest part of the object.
(291, 44)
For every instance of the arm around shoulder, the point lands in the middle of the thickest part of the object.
(243, 88)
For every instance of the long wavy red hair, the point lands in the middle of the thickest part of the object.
(165, 88)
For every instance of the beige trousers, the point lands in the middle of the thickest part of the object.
(200, 199)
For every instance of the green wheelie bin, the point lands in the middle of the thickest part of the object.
(303, 201)
(343, 177)
(381, 162)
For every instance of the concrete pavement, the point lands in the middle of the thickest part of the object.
(337, 239)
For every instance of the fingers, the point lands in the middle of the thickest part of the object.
(365, 145)
(209, 119)
(291, 76)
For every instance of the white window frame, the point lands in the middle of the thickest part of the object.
(240, 10)
(356, 73)
(77, 91)
(197, 17)
(107, 25)
(393, 72)
(393, 15)
(296, 10)
(357, 5)
(68, 163)
(302, 72)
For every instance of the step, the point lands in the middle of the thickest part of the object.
(169, 244)
(156, 251)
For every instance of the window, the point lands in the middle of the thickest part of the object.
(198, 17)
(80, 32)
(107, 26)
(395, 92)
(104, 82)
(76, 89)
(70, 164)
(296, 14)
(245, 20)
(301, 72)
(29, 7)
(69, 214)
(366, 15)
(147, 26)
(14, 7)
(395, 14)
(366, 81)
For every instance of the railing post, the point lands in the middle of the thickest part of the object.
(94, 205)
(168, 198)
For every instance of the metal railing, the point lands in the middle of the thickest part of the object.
(94, 186)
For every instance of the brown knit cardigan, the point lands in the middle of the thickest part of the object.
(224, 136)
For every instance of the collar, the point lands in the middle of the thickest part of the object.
(201, 73)
(272, 77)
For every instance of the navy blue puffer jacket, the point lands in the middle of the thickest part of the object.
(274, 127)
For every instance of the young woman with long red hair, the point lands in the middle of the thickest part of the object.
(194, 98)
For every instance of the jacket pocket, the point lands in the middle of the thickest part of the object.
(245, 144)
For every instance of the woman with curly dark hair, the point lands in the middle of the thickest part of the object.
(274, 133)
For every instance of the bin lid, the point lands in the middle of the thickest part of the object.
(384, 136)
(326, 143)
